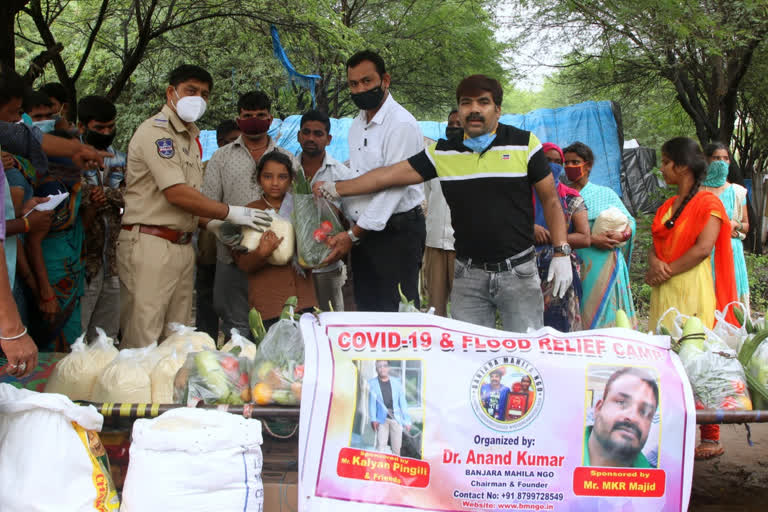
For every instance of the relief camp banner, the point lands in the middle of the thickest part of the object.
(413, 411)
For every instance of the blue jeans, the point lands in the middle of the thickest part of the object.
(516, 294)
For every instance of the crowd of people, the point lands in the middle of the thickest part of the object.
(514, 229)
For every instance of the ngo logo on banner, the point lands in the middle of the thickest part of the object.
(507, 393)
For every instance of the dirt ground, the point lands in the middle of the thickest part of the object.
(737, 481)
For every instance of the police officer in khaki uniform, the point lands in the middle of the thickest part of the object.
(163, 207)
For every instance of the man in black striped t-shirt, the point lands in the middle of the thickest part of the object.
(487, 178)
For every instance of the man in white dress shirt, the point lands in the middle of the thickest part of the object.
(388, 230)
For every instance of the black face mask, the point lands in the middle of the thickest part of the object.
(452, 132)
(368, 100)
(99, 140)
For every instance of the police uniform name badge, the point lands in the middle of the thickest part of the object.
(165, 148)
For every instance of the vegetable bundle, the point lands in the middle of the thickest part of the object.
(214, 378)
(716, 376)
(754, 356)
(278, 370)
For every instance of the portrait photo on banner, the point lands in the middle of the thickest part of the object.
(389, 407)
(507, 393)
(622, 416)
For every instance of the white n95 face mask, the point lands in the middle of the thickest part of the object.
(190, 108)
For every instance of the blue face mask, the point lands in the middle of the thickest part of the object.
(46, 126)
(480, 143)
(717, 173)
(557, 171)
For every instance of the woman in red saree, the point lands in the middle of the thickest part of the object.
(685, 230)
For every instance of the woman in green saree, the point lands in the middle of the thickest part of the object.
(605, 271)
(58, 258)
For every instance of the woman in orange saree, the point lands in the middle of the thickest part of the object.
(685, 230)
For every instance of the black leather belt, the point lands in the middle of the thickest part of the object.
(504, 265)
(413, 212)
(398, 220)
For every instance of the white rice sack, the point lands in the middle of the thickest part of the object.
(247, 347)
(611, 219)
(52, 457)
(76, 374)
(125, 380)
(193, 460)
(185, 339)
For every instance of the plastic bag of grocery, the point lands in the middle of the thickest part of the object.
(408, 306)
(247, 239)
(164, 374)
(214, 378)
(150, 356)
(183, 338)
(671, 323)
(240, 346)
(126, 379)
(278, 371)
(732, 335)
(716, 375)
(611, 219)
(75, 375)
(753, 355)
(314, 221)
(757, 368)
(194, 460)
(52, 456)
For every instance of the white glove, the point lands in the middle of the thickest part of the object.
(251, 217)
(561, 271)
(328, 191)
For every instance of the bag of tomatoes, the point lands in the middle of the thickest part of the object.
(314, 221)
(213, 377)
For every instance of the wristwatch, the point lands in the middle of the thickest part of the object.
(562, 250)
(351, 234)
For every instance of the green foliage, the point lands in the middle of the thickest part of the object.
(428, 47)
(700, 50)
(757, 270)
(520, 101)
(652, 118)
(641, 292)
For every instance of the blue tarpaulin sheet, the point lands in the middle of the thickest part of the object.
(592, 123)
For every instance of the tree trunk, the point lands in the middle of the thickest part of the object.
(36, 12)
(8, 11)
(321, 95)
